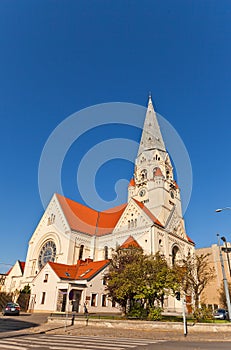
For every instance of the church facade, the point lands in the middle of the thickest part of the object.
(72, 238)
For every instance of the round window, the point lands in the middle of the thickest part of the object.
(47, 253)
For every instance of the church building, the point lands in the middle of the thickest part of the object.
(71, 247)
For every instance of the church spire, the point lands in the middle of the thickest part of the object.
(151, 136)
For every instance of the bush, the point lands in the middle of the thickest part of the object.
(203, 313)
(155, 314)
(137, 311)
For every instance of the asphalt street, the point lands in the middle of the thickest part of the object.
(33, 332)
(68, 342)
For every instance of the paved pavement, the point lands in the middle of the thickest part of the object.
(35, 325)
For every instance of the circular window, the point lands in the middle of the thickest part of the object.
(47, 253)
(142, 192)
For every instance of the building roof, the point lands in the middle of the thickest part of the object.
(21, 265)
(151, 137)
(132, 182)
(147, 212)
(190, 240)
(130, 242)
(84, 219)
(83, 270)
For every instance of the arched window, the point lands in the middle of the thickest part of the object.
(175, 254)
(143, 174)
(81, 252)
(106, 252)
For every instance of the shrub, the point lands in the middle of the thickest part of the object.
(155, 314)
(137, 311)
(203, 313)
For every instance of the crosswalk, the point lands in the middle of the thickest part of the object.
(59, 342)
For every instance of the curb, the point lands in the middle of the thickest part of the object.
(140, 325)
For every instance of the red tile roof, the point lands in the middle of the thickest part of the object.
(130, 242)
(22, 265)
(190, 240)
(8, 272)
(147, 211)
(83, 270)
(87, 220)
(132, 182)
(175, 184)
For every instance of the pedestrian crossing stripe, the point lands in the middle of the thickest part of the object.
(58, 342)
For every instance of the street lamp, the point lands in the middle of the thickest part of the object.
(224, 239)
(224, 279)
(221, 209)
(227, 253)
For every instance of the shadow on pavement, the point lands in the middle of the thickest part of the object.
(7, 324)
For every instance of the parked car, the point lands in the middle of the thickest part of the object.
(221, 314)
(11, 309)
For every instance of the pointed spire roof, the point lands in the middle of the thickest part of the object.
(132, 182)
(151, 136)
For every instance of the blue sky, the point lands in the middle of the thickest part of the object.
(58, 57)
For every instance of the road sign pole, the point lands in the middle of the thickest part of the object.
(184, 317)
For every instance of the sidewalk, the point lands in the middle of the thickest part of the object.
(138, 329)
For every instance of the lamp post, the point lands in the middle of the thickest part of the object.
(227, 253)
(224, 239)
(224, 279)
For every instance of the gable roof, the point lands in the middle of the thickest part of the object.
(83, 270)
(22, 265)
(87, 220)
(130, 242)
(147, 212)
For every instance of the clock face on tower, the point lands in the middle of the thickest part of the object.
(142, 192)
(47, 253)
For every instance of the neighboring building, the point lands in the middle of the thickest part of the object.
(2, 281)
(14, 278)
(210, 295)
(60, 287)
(69, 231)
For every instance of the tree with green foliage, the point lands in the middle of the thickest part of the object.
(134, 277)
(158, 280)
(26, 289)
(125, 275)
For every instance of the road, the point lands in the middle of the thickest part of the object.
(28, 332)
(59, 342)
(67, 342)
(24, 321)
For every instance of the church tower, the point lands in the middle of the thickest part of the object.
(153, 183)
